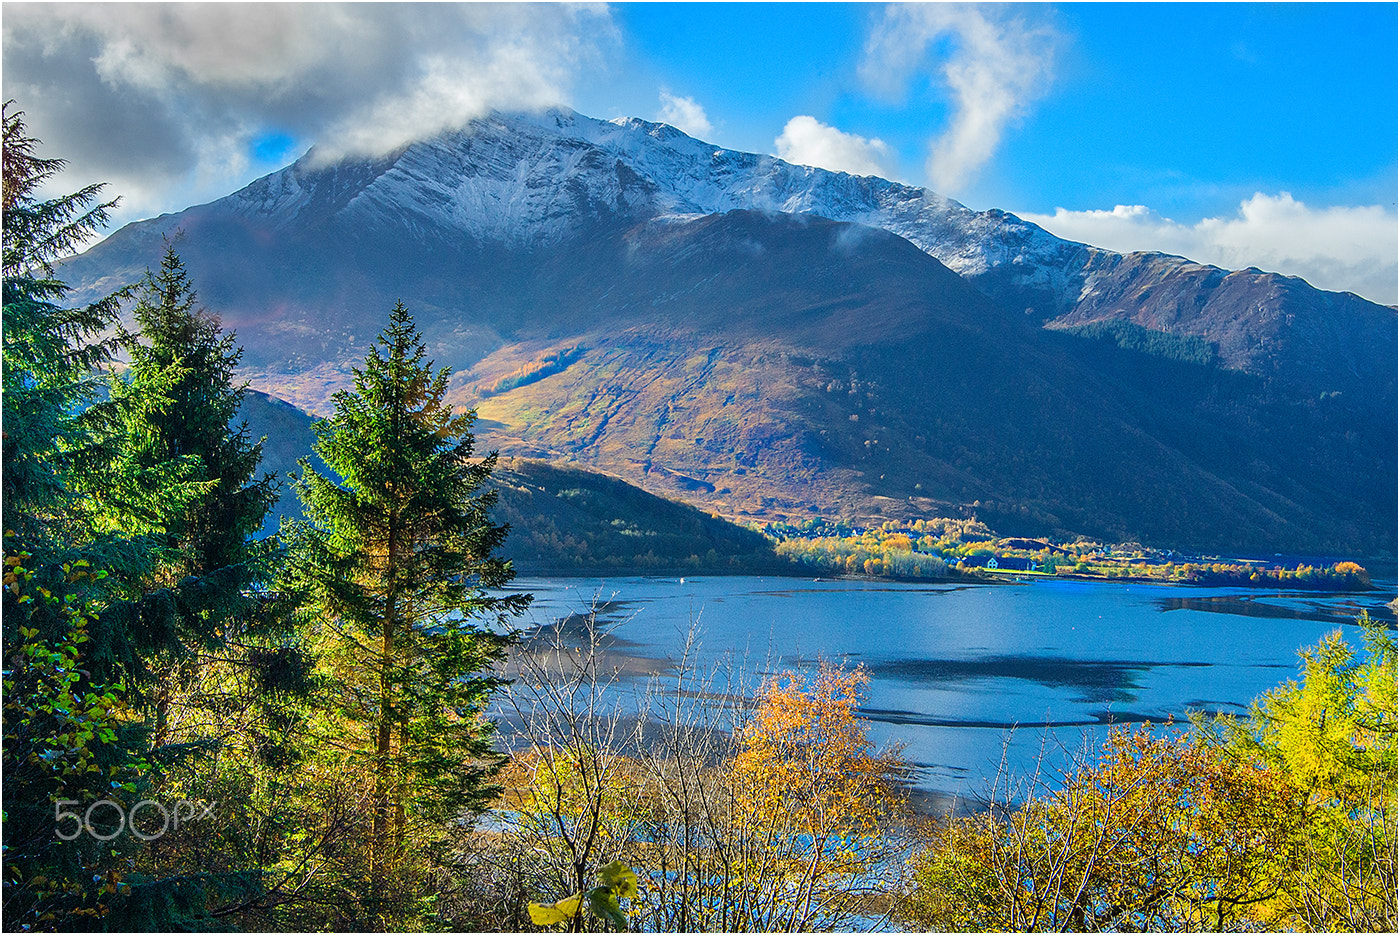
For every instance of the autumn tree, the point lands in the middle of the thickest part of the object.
(776, 817)
(816, 809)
(574, 784)
(397, 557)
(1160, 834)
(1283, 819)
(1334, 736)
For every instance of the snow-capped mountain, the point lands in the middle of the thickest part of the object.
(769, 340)
(532, 180)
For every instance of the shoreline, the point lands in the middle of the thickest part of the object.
(987, 578)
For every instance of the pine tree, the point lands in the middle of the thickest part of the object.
(225, 700)
(61, 476)
(398, 556)
(176, 407)
(50, 352)
(180, 348)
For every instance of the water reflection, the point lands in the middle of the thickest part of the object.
(1092, 680)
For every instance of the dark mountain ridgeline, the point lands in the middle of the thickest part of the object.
(566, 520)
(725, 334)
(1279, 327)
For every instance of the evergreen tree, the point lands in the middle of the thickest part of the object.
(225, 699)
(61, 477)
(184, 365)
(102, 562)
(50, 352)
(172, 413)
(64, 657)
(398, 556)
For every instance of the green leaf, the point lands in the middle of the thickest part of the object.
(620, 878)
(603, 901)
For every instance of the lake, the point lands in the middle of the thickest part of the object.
(958, 672)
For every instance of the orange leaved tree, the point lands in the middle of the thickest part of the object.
(816, 819)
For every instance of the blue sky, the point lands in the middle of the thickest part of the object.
(1191, 108)
(1238, 134)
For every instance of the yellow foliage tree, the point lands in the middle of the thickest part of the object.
(816, 808)
(1334, 737)
(1289, 825)
(1161, 834)
(806, 754)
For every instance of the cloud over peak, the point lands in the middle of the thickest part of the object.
(685, 115)
(809, 142)
(160, 96)
(1342, 248)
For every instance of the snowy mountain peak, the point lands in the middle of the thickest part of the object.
(535, 179)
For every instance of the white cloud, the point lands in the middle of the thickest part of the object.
(807, 141)
(995, 66)
(1344, 248)
(685, 115)
(164, 97)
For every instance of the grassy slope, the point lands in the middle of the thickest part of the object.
(871, 383)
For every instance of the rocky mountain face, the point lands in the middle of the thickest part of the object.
(775, 341)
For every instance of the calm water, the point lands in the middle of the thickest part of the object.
(953, 669)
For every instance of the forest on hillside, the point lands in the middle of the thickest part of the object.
(338, 727)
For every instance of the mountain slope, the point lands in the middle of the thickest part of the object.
(882, 386)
